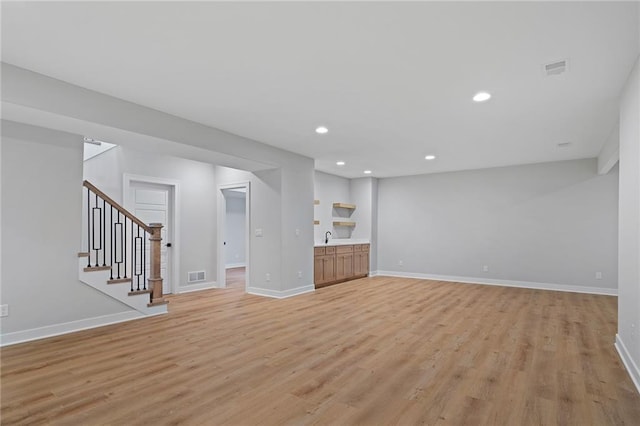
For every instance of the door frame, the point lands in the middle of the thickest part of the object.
(222, 214)
(174, 207)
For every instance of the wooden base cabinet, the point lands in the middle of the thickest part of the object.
(335, 264)
(324, 265)
(361, 260)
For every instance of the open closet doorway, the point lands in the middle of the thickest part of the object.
(233, 227)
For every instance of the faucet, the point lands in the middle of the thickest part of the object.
(326, 237)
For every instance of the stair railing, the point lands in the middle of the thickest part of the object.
(116, 240)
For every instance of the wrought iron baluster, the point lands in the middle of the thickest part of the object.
(124, 246)
(118, 245)
(138, 256)
(88, 228)
(96, 245)
(111, 231)
(103, 233)
(144, 260)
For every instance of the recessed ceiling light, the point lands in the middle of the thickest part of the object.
(430, 157)
(340, 163)
(321, 130)
(482, 96)
(367, 172)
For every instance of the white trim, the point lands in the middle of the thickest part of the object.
(504, 283)
(281, 294)
(127, 178)
(222, 213)
(629, 363)
(235, 265)
(197, 287)
(70, 327)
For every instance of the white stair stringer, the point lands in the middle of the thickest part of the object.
(120, 291)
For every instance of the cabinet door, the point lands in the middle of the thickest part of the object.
(365, 263)
(329, 268)
(318, 270)
(357, 263)
(344, 266)
(361, 263)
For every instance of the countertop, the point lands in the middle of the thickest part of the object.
(341, 242)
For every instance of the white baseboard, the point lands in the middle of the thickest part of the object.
(629, 363)
(236, 265)
(281, 294)
(197, 287)
(69, 327)
(504, 283)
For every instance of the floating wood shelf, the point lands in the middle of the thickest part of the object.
(316, 202)
(344, 206)
(344, 224)
(316, 222)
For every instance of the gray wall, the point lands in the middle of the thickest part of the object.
(552, 223)
(198, 231)
(629, 233)
(39, 99)
(235, 233)
(41, 231)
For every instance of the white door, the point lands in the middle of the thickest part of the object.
(152, 204)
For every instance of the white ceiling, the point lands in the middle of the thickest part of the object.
(392, 81)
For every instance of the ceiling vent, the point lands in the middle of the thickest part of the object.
(555, 68)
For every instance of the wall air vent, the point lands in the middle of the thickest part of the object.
(555, 68)
(196, 276)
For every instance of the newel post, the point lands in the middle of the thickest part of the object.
(155, 280)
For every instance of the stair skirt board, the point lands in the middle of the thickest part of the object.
(70, 327)
(99, 278)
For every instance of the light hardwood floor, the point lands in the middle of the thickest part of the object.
(371, 351)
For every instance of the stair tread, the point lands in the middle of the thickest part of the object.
(162, 302)
(83, 254)
(119, 280)
(97, 268)
(135, 292)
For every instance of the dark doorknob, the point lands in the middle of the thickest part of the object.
(168, 244)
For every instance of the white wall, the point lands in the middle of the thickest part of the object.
(41, 231)
(362, 192)
(235, 233)
(628, 339)
(552, 223)
(198, 231)
(329, 189)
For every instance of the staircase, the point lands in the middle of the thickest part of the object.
(122, 254)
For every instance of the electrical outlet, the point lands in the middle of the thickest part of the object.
(598, 275)
(485, 268)
(400, 263)
(258, 232)
(297, 232)
(267, 277)
(299, 274)
(4, 310)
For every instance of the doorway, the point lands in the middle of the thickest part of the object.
(233, 235)
(153, 200)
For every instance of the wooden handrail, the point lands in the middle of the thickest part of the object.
(117, 206)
